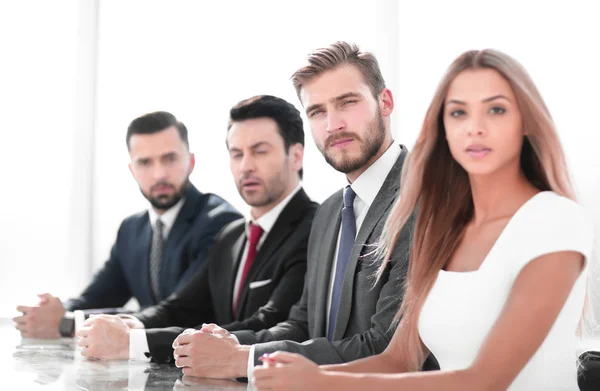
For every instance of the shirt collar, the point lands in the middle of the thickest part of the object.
(168, 217)
(267, 221)
(367, 185)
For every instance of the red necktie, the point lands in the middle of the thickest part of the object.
(255, 233)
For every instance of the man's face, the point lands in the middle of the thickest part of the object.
(264, 172)
(346, 121)
(161, 164)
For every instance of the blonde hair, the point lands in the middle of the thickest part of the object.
(437, 188)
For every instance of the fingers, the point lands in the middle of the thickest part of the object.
(22, 327)
(20, 319)
(45, 297)
(220, 331)
(183, 339)
(213, 329)
(88, 322)
(83, 342)
(88, 352)
(182, 362)
(24, 308)
(96, 319)
(208, 327)
(83, 333)
(263, 378)
(261, 372)
(283, 358)
(181, 351)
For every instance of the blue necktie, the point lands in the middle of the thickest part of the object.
(346, 243)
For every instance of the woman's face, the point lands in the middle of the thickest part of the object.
(483, 122)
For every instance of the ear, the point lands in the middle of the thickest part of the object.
(131, 170)
(192, 162)
(386, 102)
(296, 153)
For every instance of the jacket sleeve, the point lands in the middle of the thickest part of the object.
(207, 231)
(109, 287)
(183, 308)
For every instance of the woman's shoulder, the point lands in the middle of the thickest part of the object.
(548, 207)
(549, 221)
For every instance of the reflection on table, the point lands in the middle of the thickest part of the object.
(34, 364)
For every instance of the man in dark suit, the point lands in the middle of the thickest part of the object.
(255, 271)
(156, 251)
(344, 314)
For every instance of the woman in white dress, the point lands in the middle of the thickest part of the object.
(497, 281)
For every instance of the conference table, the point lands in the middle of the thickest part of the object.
(35, 364)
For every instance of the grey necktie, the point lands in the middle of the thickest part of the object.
(156, 253)
(346, 243)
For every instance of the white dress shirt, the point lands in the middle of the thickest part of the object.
(168, 217)
(366, 187)
(138, 343)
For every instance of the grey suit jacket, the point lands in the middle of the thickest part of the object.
(364, 323)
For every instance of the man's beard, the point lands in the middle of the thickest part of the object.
(166, 202)
(369, 147)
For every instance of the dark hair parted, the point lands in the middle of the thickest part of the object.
(156, 122)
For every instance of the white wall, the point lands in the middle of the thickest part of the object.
(38, 96)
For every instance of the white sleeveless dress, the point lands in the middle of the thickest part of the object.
(462, 307)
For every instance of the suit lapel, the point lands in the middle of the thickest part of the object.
(180, 228)
(327, 246)
(144, 251)
(275, 238)
(383, 201)
(183, 221)
(235, 258)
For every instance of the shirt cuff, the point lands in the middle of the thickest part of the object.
(138, 345)
(250, 370)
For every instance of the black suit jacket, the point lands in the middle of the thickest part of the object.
(364, 321)
(126, 273)
(277, 271)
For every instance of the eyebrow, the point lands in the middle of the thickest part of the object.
(168, 154)
(148, 158)
(336, 99)
(491, 98)
(253, 146)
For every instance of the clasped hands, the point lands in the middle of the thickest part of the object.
(213, 352)
(210, 352)
(106, 337)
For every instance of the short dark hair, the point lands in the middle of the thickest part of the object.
(156, 122)
(287, 117)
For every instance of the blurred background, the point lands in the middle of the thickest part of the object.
(74, 73)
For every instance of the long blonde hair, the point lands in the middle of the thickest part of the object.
(437, 188)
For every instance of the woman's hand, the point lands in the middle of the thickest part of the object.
(288, 371)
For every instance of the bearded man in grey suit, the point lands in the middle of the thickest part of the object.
(344, 314)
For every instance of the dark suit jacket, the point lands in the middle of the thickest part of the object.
(364, 321)
(208, 296)
(126, 273)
